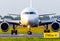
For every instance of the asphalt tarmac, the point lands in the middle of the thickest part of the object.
(21, 36)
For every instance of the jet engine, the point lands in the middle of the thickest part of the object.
(4, 26)
(55, 26)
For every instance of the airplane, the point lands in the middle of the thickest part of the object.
(29, 18)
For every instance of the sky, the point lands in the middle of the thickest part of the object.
(42, 6)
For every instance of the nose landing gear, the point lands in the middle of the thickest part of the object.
(29, 32)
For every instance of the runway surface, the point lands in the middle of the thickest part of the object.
(21, 36)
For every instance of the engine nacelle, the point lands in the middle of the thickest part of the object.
(55, 26)
(4, 26)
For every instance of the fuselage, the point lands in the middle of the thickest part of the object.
(29, 17)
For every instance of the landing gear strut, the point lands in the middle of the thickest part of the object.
(29, 32)
(13, 31)
(46, 30)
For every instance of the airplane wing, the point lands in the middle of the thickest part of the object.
(47, 14)
(11, 22)
(15, 22)
(45, 20)
(48, 21)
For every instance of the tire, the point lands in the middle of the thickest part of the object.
(15, 32)
(11, 32)
(29, 33)
(47, 31)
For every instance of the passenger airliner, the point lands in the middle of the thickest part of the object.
(30, 17)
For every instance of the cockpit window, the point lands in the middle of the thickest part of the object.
(29, 12)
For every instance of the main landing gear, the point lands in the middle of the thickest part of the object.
(46, 30)
(29, 32)
(14, 30)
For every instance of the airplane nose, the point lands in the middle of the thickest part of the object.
(24, 20)
(29, 20)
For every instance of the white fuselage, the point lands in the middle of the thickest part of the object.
(29, 19)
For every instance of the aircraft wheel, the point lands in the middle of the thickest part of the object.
(12, 32)
(46, 31)
(29, 33)
(15, 32)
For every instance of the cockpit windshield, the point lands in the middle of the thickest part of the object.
(29, 12)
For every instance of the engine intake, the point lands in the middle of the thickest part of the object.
(55, 26)
(4, 27)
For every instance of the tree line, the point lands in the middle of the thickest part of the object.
(10, 17)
